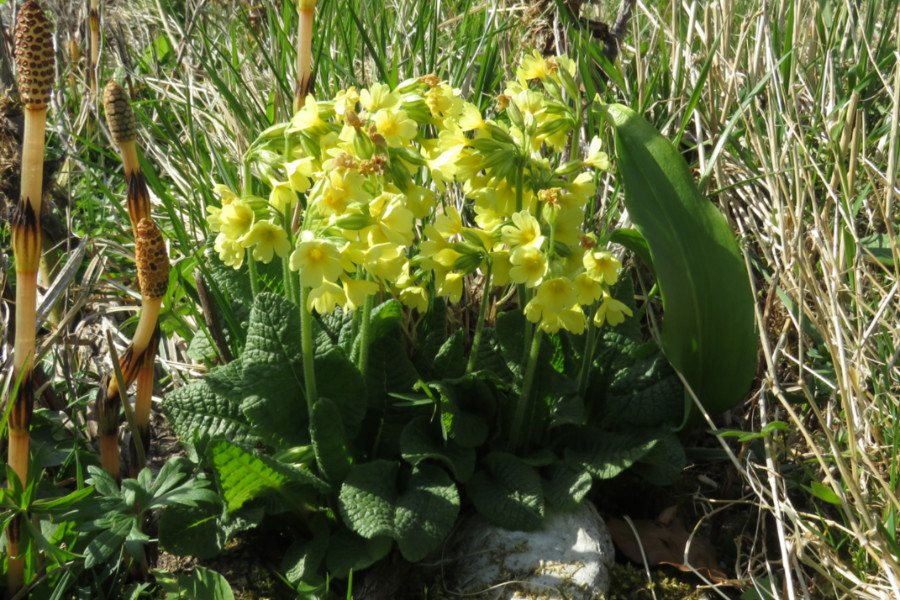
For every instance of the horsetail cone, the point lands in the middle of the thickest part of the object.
(35, 64)
(152, 260)
(119, 114)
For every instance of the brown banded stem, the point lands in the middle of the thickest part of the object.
(307, 10)
(153, 275)
(94, 26)
(35, 67)
(123, 127)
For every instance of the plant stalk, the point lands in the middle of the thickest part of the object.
(306, 344)
(479, 325)
(521, 427)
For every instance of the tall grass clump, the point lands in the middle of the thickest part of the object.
(788, 112)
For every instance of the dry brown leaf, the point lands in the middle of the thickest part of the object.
(663, 541)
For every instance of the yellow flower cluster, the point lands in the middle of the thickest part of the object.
(351, 205)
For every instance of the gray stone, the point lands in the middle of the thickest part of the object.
(569, 557)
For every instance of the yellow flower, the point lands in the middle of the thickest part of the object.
(525, 231)
(267, 239)
(342, 187)
(612, 311)
(235, 219)
(500, 267)
(470, 118)
(299, 173)
(225, 193)
(393, 221)
(308, 118)
(420, 200)
(533, 66)
(588, 290)
(282, 197)
(213, 218)
(595, 158)
(395, 127)
(344, 100)
(386, 260)
(415, 296)
(556, 306)
(230, 252)
(448, 224)
(317, 260)
(325, 297)
(379, 96)
(602, 266)
(529, 265)
(356, 290)
(449, 284)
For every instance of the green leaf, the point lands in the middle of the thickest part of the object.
(421, 441)
(451, 359)
(339, 380)
(101, 548)
(634, 241)
(303, 557)
(466, 429)
(645, 394)
(210, 406)
(244, 475)
(348, 551)
(192, 530)
(665, 461)
(566, 485)
(824, 492)
(417, 514)
(329, 441)
(508, 492)
(199, 584)
(605, 454)
(273, 371)
(708, 333)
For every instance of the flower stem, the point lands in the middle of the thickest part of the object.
(254, 277)
(364, 334)
(587, 358)
(521, 428)
(479, 325)
(306, 343)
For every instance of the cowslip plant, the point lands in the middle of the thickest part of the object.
(385, 208)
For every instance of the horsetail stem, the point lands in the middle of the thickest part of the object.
(153, 276)
(123, 127)
(307, 10)
(35, 67)
(94, 26)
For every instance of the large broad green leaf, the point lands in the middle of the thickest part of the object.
(339, 380)
(348, 551)
(418, 513)
(200, 584)
(192, 530)
(303, 557)
(422, 441)
(244, 475)
(605, 454)
(508, 492)
(329, 441)
(566, 485)
(665, 461)
(273, 373)
(210, 406)
(708, 333)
